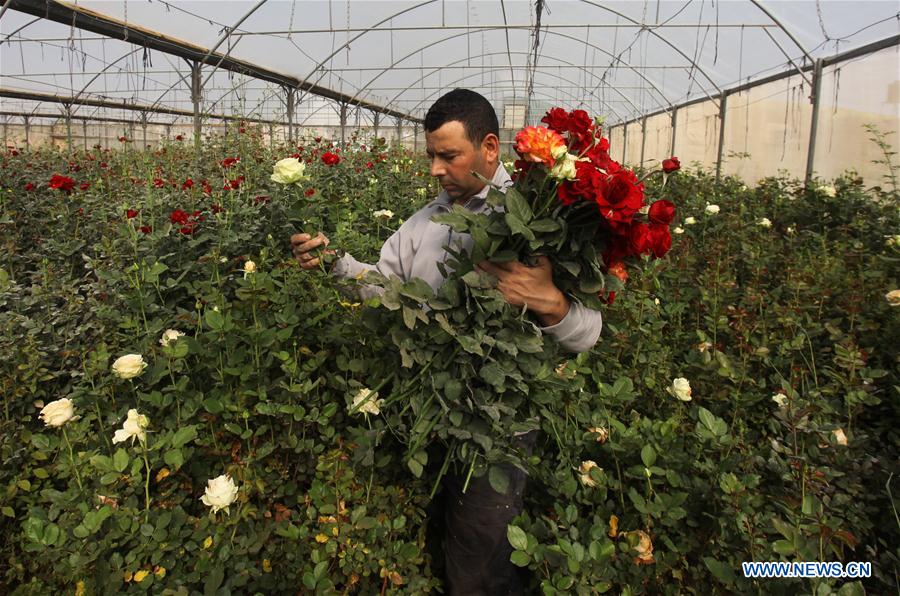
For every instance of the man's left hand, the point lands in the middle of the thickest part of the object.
(531, 287)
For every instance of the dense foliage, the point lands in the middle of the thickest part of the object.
(785, 451)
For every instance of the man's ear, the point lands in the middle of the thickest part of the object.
(490, 147)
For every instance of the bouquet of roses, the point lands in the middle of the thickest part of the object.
(481, 373)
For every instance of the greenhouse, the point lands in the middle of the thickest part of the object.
(464, 297)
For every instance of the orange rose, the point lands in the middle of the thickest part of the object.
(540, 145)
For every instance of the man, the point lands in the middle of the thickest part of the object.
(461, 137)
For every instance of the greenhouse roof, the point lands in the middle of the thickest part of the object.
(623, 60)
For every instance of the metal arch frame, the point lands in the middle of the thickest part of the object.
(652, 30)
(501, 68)
(765, 11)
(349, 41)
(28, 24)
(226, 36)
(467, 33)
(393, 99)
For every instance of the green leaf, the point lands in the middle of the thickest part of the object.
(517, 206)
(648, 455)
(721, 571)
(783, 547)
(520, 558)
(174, 458)
(499, 480)
(8, 511)
(518, 226)
(213, 581)
(214, 319)
(415, 467)
(544, 225)
(120, 460)
(184, 436)
(517, 537)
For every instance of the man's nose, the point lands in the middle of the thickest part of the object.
(437, 168)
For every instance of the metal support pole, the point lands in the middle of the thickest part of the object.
(643, 139)
(624, 140)
(196, 96)
(722, 106)
(144, 128)
(416, 137)
(271, 134)
(399, 135)
(290, 113)
(814, 125)
(68, 108)
(674, 124)
(343, 123)
(376, 119)
(27, 132)
(5, 118)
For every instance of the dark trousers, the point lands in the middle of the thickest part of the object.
(476, 550)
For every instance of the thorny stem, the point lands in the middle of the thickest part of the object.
(72, 459)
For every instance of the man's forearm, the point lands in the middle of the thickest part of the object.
(551, 311)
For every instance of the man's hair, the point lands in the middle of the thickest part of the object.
(474, 111)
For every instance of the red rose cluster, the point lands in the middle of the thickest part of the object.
(187, 221)
(331, 159)
(617, 192)
(59, 182)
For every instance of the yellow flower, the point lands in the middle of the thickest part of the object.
(79, 588)
(208, 542)
(159, 571)
(162, 474)
(306, 351)
(602, 433)
(126, 577)
(321, 538)
(140, 575)
(644, 548)
(267, 566)
(613, 526)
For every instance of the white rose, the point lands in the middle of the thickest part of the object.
(839, 437)
(249, 267)
(58, 412)
(132, 428)
(366, 401)
(680, 388)
(385, 213)
(585, 472)
(791, 229)
(564, 169)
(711, 209)
(893, 297)
(169, 337)
(288, 171)
(765, 222)
(780, 399)
(828, 190)
(129, 366)
(678, 230)
(373, 181)
(893, 240)
(601, 432)
(395, 169)
(220, 493)
(689, 221)
(422, 192)
(704, 345)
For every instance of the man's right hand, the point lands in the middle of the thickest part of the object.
(302, 246)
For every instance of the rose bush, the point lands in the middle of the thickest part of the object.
(260, 388)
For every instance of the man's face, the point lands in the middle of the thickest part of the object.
(454, 157)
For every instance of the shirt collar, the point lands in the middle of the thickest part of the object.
(477, 201)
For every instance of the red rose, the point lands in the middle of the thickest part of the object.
(13, 152)
(62, 183)
(618, 270)
(104, 165)
(330, 159)
(145, 229)
(29, 186)
(241, 130)
(179, 217)
(261, 200)
(131, 213)
(370, 165)
(215, 208)
(159, 182)
(123, 139)
(309, 192)
(660, 239)
(187, 184)
(671, 165)
(229, 161)
(318, 139)
(206, 187)
(557, 119)
(621, 196)
(639, 240)
(179, 137)
(661, 212)
(85, 185)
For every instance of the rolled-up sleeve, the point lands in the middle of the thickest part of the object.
(579, 330)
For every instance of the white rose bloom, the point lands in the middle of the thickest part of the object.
(249, 267)
(893, 240)
(765, 222)
(395, 169)
(780, 399)
(704, 345)
(893, 297)
(422, 192)
(601, 432)
(289, 171)
(585, 472)
(678, 230)
(169, 337)
(828, 190)
(129, 366)
(58, 412)
(839, 437)
(366, 401)
(791, 229)
(689, 221)
(680, 388)
(564, 169)
(373, 181)
(385, 213)
(712, 209)
(220, 493)
(132, 428)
